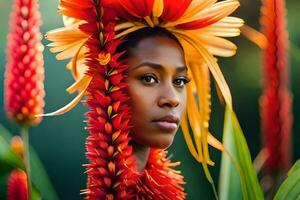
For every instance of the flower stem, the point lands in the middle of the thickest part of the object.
(25, 137)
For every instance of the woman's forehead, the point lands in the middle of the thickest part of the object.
(159, 50)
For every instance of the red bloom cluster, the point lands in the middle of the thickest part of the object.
(276, 100)
(24, 88)
(159, 181)
(17, 186)
(111, 167)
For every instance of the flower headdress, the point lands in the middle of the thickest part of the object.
(94, 28)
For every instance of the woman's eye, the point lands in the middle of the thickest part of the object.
(182, 81)
(149, 79)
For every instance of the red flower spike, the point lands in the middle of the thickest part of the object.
(24, 87)
(276, 100)
(17, 186)
(160, 181)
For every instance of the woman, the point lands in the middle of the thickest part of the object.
(156, 83)
(131, 59)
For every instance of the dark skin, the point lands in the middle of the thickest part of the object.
(157, 78)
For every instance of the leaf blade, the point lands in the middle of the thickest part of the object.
(242, 158)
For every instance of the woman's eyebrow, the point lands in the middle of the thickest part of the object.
(159, 67)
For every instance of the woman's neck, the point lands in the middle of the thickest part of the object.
(141, 154)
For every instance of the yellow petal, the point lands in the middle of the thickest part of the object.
(227, 27)
(69, 106)
(124, 25)
(194, 115)
(59, 47)
(211, 63)
(254, 36)
(220, 32)
(65, 34)
(229, 22)
(129, 30)
(71, 22)
(216, 12)
(79, 69)
(201, 76)
(196, 7)
(149, 21)
(67, 41)
(158, 8)
(218, 46)
(215, 142)
(194, 120)
(187, 137)
(71, 51)
(79, 84)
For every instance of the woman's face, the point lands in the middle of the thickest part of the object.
(156, 81)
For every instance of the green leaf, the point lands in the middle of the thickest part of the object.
(295, 167)
(229, 183)
(5, 133)
(40, 179)
(35, 194)
(3, 184)
(290, 188)
(238, 153)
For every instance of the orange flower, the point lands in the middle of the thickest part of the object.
(24, 88)
(17, 186)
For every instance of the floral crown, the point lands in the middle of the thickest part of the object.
(94, 28)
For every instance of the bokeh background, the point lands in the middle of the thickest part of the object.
(59, 141)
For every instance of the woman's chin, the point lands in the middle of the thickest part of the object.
(161, 142)
(158, 140)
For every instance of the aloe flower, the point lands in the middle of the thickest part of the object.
(276, 100)
(24, 76)
(17, 186)
(17, 181)
(24, 87)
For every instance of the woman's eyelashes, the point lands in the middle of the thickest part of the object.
(150, 79)
(181, 81)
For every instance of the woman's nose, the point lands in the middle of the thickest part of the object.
(168, 97)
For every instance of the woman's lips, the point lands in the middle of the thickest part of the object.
(167, 123)
(166, 126)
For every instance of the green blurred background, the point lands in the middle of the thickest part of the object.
(59, 141)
